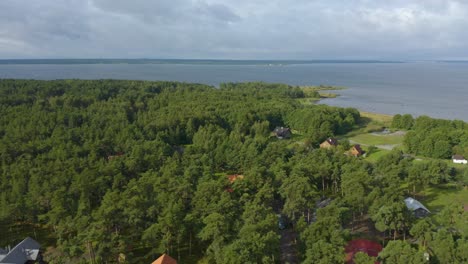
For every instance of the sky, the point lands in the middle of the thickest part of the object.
(234, 29)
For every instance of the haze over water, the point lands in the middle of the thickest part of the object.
(437, 89)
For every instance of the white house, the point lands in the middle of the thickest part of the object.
(459, 159)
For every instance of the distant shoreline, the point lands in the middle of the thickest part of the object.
(184, 61)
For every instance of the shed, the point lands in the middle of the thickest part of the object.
(459, 159)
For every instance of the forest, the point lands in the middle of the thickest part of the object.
(435, 138)
(114, 171)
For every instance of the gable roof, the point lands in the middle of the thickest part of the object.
(458, 157)
(28, 249)
(165, 259)
(413, 204)
(332, 141)
(358, 148)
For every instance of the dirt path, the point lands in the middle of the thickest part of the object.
(288, 246)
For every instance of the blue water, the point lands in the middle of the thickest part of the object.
(437, 89)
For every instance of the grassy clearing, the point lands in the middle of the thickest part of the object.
(370, 139)
(383, 119)
(376, 155)
(438, 197)
(328, 95)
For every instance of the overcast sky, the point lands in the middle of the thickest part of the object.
(234, 29)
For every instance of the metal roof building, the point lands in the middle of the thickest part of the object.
(26, 250)
(415, 206)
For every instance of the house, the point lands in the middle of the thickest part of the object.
(165, 259)
(282, 132)
(26, 251)
(416, 207)
(356, 150)
(329, 143)
(459, 159)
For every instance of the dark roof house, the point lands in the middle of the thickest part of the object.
(282, 132)
(330, 142)
(356, 150)
(26, 250)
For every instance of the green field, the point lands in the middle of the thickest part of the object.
(438, 197)
(371, 139)
(376, 155)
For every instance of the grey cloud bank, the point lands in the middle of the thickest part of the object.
(276, 29)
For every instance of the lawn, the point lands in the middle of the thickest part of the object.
(437, 197)
(371, 139)
(376, 155)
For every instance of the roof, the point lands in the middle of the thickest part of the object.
(323, 203)
(332, 141)
(282, 131)
(458, 157)
(371, 248)
(413, 204)
(28, 249)
(165, 259)
(358, 148)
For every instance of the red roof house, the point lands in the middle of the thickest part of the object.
(165, 259)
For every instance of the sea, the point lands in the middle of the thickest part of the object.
(435, 88)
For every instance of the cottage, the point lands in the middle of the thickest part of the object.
(329, 143)
(416, 207)
(459, 159)
(165, 259)
(282, 132)
(26, 251)
(356, 150)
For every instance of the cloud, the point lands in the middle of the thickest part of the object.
(242, 29)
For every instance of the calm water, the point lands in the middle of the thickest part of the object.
(437, 89)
